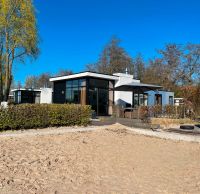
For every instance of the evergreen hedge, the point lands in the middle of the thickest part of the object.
(26, 116)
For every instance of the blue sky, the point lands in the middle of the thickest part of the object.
(74, 32)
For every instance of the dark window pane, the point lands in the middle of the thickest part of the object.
(68, 95)
(145, 99)
(141, 99)
(69, 84)
(93, 99)
(59, 95)
(171, 100)
(136, 102)
(75, 83)
(103, 101)
(16, 96)
(75, 95)
(98, 83)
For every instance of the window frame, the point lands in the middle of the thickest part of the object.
(70, 86)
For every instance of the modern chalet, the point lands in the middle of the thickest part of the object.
(32, 96)
(102, 91)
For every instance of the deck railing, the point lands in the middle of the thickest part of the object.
(144, 112)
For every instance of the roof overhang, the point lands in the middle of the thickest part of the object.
(85, 74)
(26, 89)
(136, 87)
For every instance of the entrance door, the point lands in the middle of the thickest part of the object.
(59, 92)
(158, 99)
(93, 99)
(98, 99)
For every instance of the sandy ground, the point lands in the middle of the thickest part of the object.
(111, 160)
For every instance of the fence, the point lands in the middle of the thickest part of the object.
(157, 111)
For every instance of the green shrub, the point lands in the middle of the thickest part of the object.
(43, 115)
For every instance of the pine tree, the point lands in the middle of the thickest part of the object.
(113, 59)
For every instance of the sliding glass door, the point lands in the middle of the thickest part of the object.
(102, 101)
(98, 99)
(93, 99)
(98, 95)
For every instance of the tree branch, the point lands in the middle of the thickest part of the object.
(19, 55)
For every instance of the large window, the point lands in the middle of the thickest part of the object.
(76, 91)
(140, 99)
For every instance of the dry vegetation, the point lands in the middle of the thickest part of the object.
(167, 123)
(104, 161)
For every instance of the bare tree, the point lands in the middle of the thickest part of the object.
(41, 81)
(139, 67)
(190, 68)
(63, 72)
(31, 82)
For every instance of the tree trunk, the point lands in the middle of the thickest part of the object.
(1, 83)
(8, 79)
(7, 69)
(1, 75)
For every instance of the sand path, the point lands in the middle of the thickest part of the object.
(107, 160)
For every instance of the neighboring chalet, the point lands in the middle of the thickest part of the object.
(32, 96)
(102, 91)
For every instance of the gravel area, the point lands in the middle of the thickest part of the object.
(62, 130)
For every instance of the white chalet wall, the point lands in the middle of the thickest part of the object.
(122, 97)
(46, 96)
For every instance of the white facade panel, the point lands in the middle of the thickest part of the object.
(46, 96)
(123, 98)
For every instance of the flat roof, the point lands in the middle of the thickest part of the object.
(136, 86)
(85, 74)
(26, 89)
